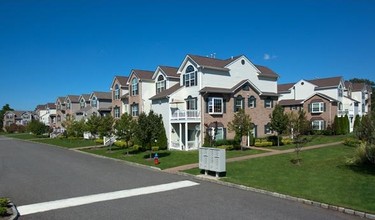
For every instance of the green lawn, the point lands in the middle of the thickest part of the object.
(66, 142)
(322, 176)
(313, 140)
(167, 158)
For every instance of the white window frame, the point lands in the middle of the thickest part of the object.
(160, 84)
(217, 132)
(267, 129)
(117, 112)
(189, 77)
(268, 103)
(319, 107)
(211, 105)
(191, 104)
(117, 92)
(82, 103)
(239, 103)
(68, 105)
(94, 102)
(319, 125)
(135, 87)
(135, 110)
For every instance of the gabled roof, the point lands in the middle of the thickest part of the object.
(51, 105)
(215, 90)
(351, 99)
(323, 96)
(266, 72)
(123, 80)
(211, 62)
(142, 75)
(102, 95)
(163, 94)
(61, 99)
(326, 82)
(284, 87)
(358, 86)
(170, 71)
(242, 82)
(73, 98)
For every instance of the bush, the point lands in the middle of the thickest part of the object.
(263, 144)
(120, 144)
(364, 154)
(99, 141)
(154, 148)
(353, 142)
(273, 139)
(37, 127)
(4, 202)
(3, 211)
(287, 141)
(226, 147)
(14, 128)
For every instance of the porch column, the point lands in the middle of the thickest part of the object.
(180, 136)
(186, 136)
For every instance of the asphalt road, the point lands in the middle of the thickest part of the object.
(33, 173)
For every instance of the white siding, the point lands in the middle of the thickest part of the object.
(148, 90)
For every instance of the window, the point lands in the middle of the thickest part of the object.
(117, 112)
(160, 84)
(219, 133)
(267, 129)
(340, 92)
(317, 125)
(191, 103)
(190, 77)
(268, 103)
(68, 105)
(340, 106)
(134, 87)
(238, 103)
(293, 107)
(82, 103)
(251, 102)
(94, 102)
(317, 107)
(363, 108)
(135, 110)
(117, 92)
(215, 105)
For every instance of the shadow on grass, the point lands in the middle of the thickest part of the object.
(160, 155)
(363, 169)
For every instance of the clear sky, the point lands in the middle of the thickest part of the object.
(55, 48)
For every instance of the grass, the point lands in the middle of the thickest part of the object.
(167, 158)
(313, 140)
(66, 142)
(323, 176)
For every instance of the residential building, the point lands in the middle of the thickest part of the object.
(141, 88)
(210, 91)
(99, 103)
(120, 96)
(17, 117)
(72, 105)
(60, 113)
(47, 114)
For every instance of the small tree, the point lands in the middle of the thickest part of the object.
(105, 126)
(300, 126)
(5, 108)
(357, 122)
(279, 121)
(36, 127)
(241, 124)
(92, 125)
(125, 129)
(336, 125)
(162, 141)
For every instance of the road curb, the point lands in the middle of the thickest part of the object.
(283, 196)
(15, 213)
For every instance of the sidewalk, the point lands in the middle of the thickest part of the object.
(270, 153)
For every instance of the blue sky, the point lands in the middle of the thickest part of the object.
(55, 48)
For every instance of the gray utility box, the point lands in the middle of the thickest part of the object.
(212, 159)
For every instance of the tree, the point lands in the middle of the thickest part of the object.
(162, 141)
(105, 125)
(357, 122)
(347, 125)
(92, 125)
(75, 128)
(336, 125)
(125, 128)
(36, 127)
(279, 121)
(5, 108)
(241, 124)
(300, 125)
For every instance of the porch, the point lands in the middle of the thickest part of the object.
(185, 136)
(185, 115)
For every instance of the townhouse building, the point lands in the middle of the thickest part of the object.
(209, 92)
(17, 117)
(46, 114)
(120, 96)
(60, 113)
(141, 88)
(84, 106)
(98, 103)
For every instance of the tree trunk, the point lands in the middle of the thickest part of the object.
(278, 140)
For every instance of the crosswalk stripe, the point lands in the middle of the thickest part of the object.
(83, 200)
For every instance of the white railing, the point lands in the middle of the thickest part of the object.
(192, 145)
(175, 145)
(186, 115)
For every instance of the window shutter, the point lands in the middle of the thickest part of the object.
(206, 105)
(255, 102)
(183, 79)
(248, 102)
(255, 131)
(224, 106)
(324, 107)
(224, 133)
(265, 101)
(265, 129)
(309, 107)
(271, 103)
(196, 78)
(243, 103)
(324, 125)
(234, 104)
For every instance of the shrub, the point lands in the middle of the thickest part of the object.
(226, 147)
(263, 144)
(287, 141)
(120, 144)
(3, 211)
(99, 141)
(37, 127)
(4, 202)
(353, 142)
(273, 139)
(364, 154)
(154, 148)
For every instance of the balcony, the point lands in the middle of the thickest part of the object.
(186, 115)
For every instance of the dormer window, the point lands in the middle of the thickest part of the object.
(68, 104)
(94, 102)
(117, 92)
(160, 84)
(190, 77)
(340, 91)
(82, 103)
(134, 87)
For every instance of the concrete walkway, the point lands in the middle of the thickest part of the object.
(270, 153)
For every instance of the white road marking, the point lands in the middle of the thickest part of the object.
(82, 200)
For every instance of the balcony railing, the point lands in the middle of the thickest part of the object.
(180, 115)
